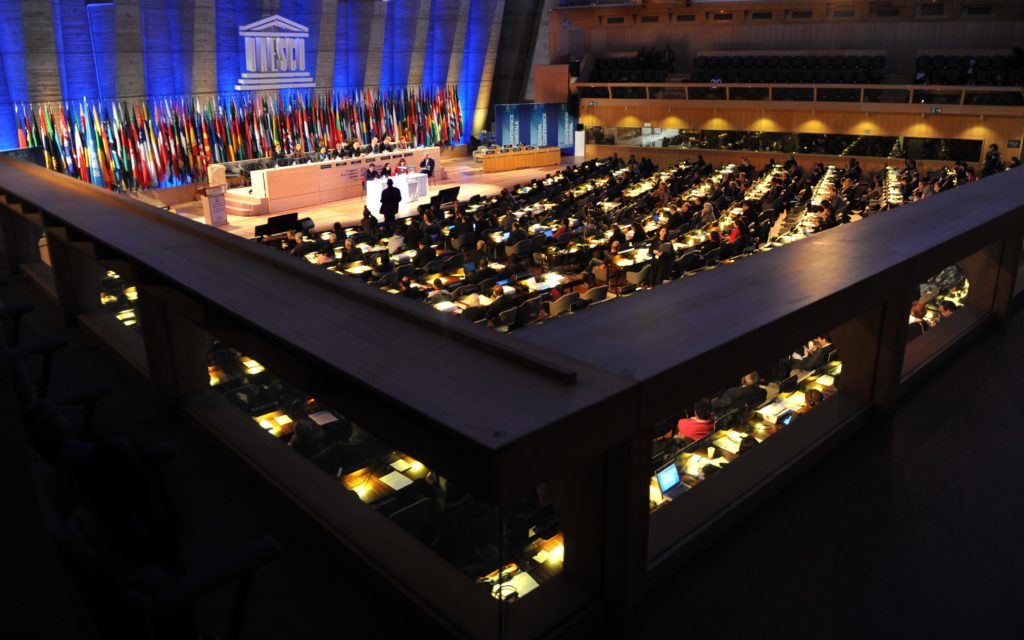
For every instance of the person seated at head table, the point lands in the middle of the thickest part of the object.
(700, 425)
(338, 151)
(388, 144)
(515, 235)
(401, 167)
(424, 254)
(323, 154)
(351, 253)
(402, 143)
(812, 399)
(385, 171)
(748, 393)
(375, 146)
(371, 172)
(438, 292)
(499, 302)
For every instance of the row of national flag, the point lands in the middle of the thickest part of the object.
(148, 144)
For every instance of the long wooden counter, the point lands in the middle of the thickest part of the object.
(283, 189)
(522, 159)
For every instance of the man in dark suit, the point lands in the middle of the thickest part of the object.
(515, 235)
(748, 393)
(499, 302)
(427, 164)
(371, 172)
(390, 198)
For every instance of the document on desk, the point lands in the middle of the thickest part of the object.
(523, 583)
(323, 417)
(396, 480)
(401, 465)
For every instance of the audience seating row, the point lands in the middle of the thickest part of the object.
(790, 69)
(975, 70)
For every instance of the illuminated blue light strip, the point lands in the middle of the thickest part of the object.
(443, 16)
(478, 31)
(102, 35)
(14, 83)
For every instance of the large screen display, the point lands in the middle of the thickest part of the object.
(541, 125)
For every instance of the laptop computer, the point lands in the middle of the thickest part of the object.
(669, 482)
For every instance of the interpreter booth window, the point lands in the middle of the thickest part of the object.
(31, 245)
(942, 310)
(506, 551)
(713, 451)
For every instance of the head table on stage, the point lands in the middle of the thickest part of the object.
(412, 185)
(283, 189)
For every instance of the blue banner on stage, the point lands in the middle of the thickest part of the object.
(541, 125)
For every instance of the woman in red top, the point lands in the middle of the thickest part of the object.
(700, 425)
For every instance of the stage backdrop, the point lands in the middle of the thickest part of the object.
(541, 125)
(64, 51)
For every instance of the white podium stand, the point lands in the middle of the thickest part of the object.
(215, 212)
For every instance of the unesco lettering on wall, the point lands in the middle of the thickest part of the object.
(275, 55)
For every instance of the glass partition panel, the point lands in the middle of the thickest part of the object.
(717, 431)
(838, 95)
(937, 300)
(713, 452)
(667, 93)
(786, 142)
(508, 550)
(630, 93)
(793, 94)
(995, 98)
(889, 96)
(716, 92)
(748, 93)
(936, 96)
(593, 92)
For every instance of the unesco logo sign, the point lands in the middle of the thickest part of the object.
(275, 55)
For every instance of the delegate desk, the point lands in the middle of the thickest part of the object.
(522, 159)
(284, 189)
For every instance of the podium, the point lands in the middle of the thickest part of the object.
(215, 211)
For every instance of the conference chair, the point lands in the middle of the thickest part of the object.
(505, 319)
(529, 311)
(595, 295)
(640, 277)
(562, 305)
(521, 248)
(465, 240)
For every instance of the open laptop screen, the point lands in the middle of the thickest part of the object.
(668, 477)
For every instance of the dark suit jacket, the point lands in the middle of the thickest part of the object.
(389, 201)
(515, 236)
(427, 164)
(751, 396)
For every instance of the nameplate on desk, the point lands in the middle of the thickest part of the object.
(325, 166)
(357, 162)
(396, 480)
(340, 164)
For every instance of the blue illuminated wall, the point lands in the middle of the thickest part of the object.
(478, 31)
(399, 34)
(13, 83)
(95, 47)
